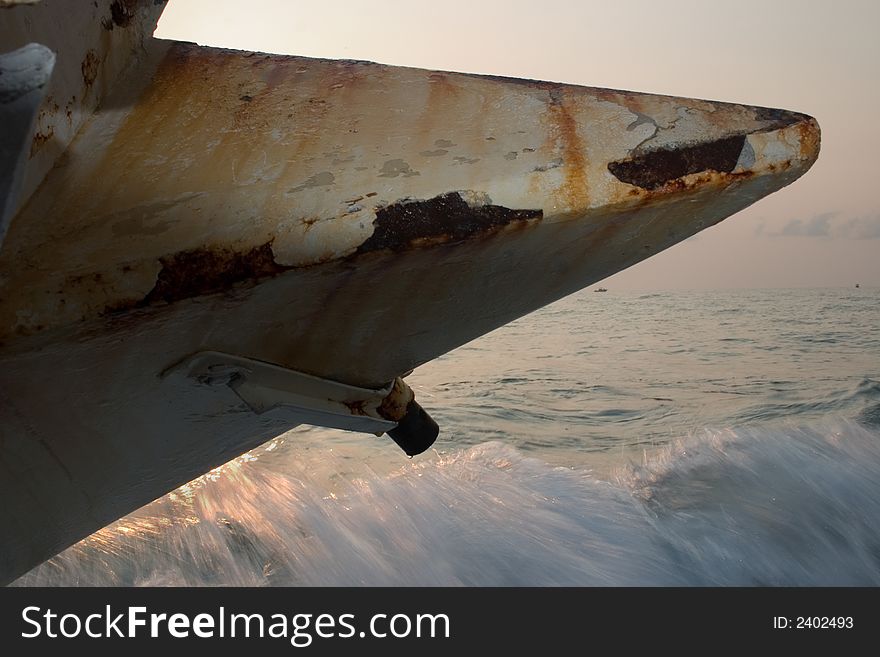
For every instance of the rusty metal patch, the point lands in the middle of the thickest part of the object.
(203, 271)
(122, 11)
(395, 404)
(653, 169)
(444, 218)
(407, 224)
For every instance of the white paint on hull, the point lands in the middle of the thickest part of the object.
(343, 220)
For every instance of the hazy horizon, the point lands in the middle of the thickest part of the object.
(820, 59)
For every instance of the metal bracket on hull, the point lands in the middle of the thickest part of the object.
(308, 399)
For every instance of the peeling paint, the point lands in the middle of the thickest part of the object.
(555, 164)
(652, 169)
(445, 218)
(641, 119)
(398, 167)
(178, 188)
(304, 168)
(204, 271)
(89, 60)
(323, 179)
(122, 11)
(452, 217)
(746, 157)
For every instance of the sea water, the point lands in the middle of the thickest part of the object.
(616, 438)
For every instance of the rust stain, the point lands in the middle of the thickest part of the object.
(357, 407)
(395, 405)
(693, 182)
(810, 138)
(204, 85)
(308, 222)
(442, 219)
(441, 89)
(645, 197)
(574, 188)
(656, 168)
(541, 85)
(204, 271)
(40, 138)
(89, 68)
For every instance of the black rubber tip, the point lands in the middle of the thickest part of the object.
(416, 431)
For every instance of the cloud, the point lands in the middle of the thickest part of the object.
(829, 225)
(817, 226)
(864, 228)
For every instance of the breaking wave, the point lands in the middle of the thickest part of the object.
(780, 506)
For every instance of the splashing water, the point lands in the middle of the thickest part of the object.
(782, 506)
(539, 420)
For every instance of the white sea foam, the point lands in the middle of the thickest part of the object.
(795, 506)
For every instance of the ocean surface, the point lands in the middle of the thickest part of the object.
(616, 438)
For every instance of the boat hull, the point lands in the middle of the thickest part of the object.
(343, 220)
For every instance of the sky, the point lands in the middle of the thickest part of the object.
(814, 56)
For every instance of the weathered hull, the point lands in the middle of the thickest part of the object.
(346, 220)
